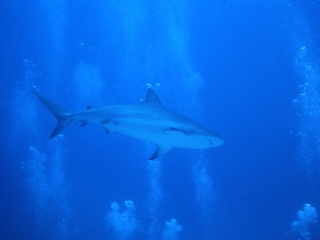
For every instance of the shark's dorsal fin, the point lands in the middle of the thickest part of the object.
(152, 98)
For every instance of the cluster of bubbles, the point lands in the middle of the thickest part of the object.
(307, 103)
(308, 110)
(203, 187)
(43, 170)
(125, 225)
(37, 180)
(172, 230)
(45, 180)
(306, 216)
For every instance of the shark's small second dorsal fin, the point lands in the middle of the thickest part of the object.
(152, 98)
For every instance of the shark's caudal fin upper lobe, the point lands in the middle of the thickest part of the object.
(61, 114)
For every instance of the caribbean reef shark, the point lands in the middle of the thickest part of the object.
(148, 121)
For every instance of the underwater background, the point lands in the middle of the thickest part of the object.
(248, 70)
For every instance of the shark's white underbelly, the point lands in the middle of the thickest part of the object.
(159, 134)
(152, 124)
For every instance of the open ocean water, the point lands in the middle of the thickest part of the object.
(248, 70)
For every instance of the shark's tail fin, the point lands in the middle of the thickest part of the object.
(61, 114)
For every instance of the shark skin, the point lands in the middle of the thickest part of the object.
(148, 121)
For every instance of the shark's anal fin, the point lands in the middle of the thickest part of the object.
(162, 149)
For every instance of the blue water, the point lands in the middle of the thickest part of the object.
(248, 70)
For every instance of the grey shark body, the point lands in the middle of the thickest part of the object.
(148, 121)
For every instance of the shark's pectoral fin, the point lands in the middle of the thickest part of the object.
(162, 149)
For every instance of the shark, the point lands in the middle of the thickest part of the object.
(148, 121)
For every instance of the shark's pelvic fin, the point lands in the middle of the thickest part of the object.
(61, 114)
(162, 149)
(152, 98)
